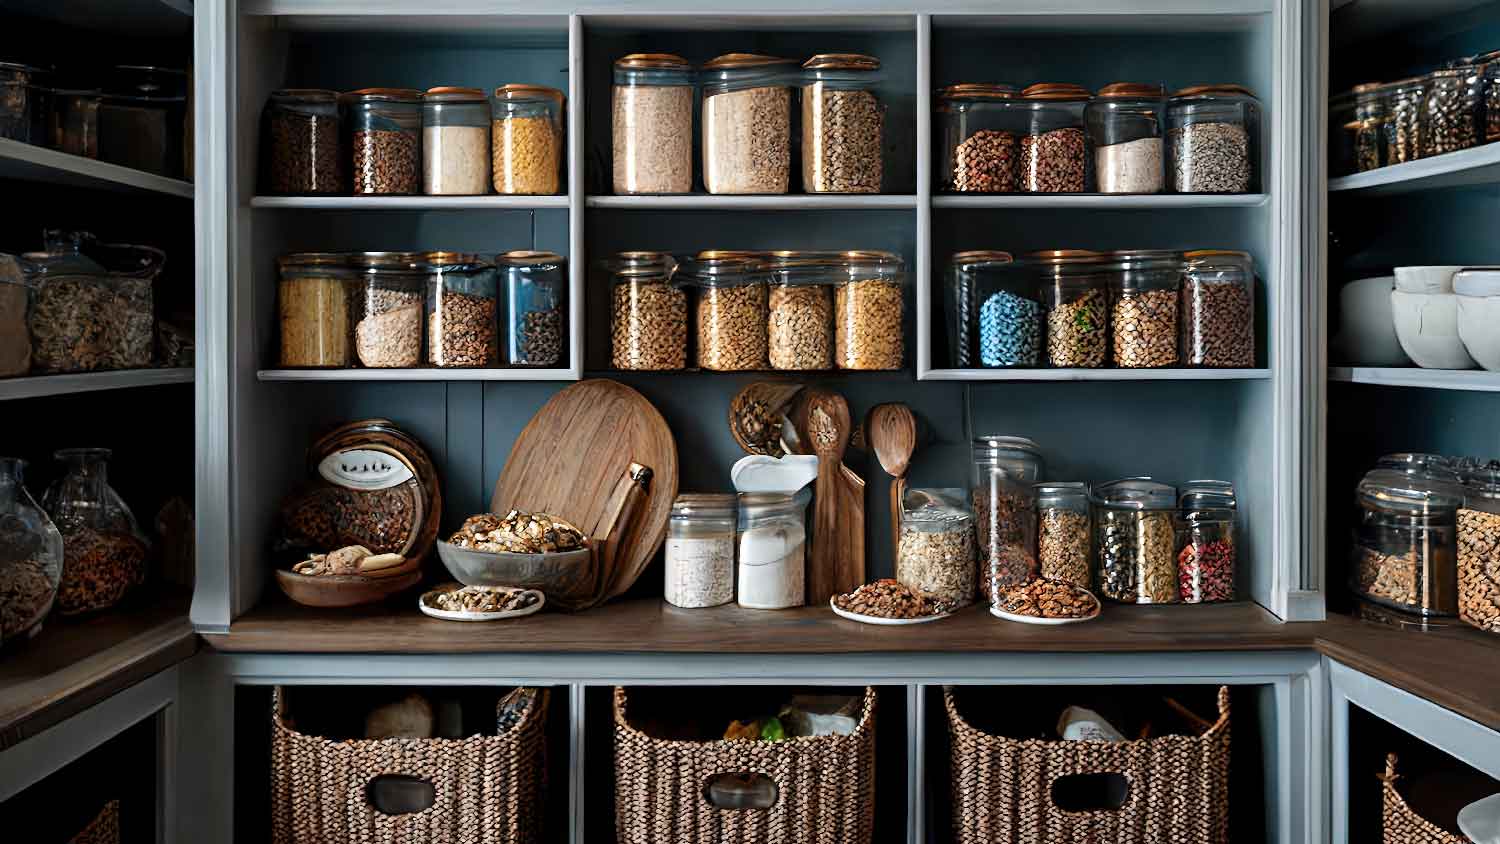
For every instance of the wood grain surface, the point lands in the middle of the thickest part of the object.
(837, 561)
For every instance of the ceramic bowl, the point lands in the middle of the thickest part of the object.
(1427, 326)
(1431, 279)
(567, 578)
(1367, 332)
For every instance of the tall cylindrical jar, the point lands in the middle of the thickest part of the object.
(1007, 313)
(842, 124)
(303, 132)
(1490, 83)
(314, 300)
(981, 126)
(1074, 285)
(869, 311)
(528, 139)
(1218, 309)
(462, 310)
(385, 132)
(1368, 127)
(732, 310)
(699, 555)
(1064, 534)
(104, 552)
(388, 308)
(1002, 490)
(935, 551)
(1054, 155)
(16, 101)
(1143, 316)
(652, 124)
(773, 550)
(747, 124)
(648, 322)
(1452, 110)
(1213, 139)
(800, 324)
(535, 295)
(1405, 543)
(1404, 100)
(1479, 551)
(1135, 540)
(455, 142)
(1124, 125)
(1206, 543)
(31, 557)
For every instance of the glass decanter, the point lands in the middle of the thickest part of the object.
(104, 550)
(31, 556)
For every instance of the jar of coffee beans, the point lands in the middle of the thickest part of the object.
(1124, 125)
(385, 126)
(1144, 287)
(302, 143)
(652, 124)
(732, 310)
(1453, 109)
(1074, 287)
(799, 331)
(462, 310)
(842, 124)
(1206, 542)
(1213, 139)
(648, 313)
(1135, 541)
(315, 306)
(1001, 488)
(455, 142)
(1479, 550)
(535, 295)
(1218, 309)
(1007, 312)
(528, 139)
(981, 126)
(1405, 543)
(869, 306)
(1053, 150)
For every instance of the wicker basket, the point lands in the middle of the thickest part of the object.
(485, 788)
(1402, 825)
(825, 787)
(1002, 787)
(103, 829)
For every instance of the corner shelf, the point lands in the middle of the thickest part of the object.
(1476, 166)
(1413, 376)
(410, 203)
(779, 202)
(1097, 375)
(1101, 201)
(39, 164)
(35, 386)
(454, 374)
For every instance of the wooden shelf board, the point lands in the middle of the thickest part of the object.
(1097, 375)
(38, 164)
(1413, 376)
(1101, 202)
(1475, 166)
(34, 386)
(410, 203)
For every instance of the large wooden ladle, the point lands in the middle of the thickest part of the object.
(893, 435)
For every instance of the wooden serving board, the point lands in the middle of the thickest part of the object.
(570, 456)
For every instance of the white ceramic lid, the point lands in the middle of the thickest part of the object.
(1426, 279)
(1477, 281)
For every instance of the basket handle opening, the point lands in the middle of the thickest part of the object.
(741, 790)
(400, 794)
(1101, 791)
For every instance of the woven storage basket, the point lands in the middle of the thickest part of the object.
(825, 787)
(103, 829)
(1402, 825)
(1002, 787)
(487, 789)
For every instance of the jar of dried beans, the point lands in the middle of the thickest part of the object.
(1007, 312)
(1479, 550)
(1218, 309)
(16, 101)
(799, 333)
(652, 124)
(869, 311)
(462, 310)
(1134, 538)
(935, 553)
(104, 551)
(732, 310)
(1124, 124)
(535, 295)
(1405, 543)
(699, 554)
(1213, 139)
(385, 126)
(1075, 295)
(528, 139)
(1452, 110)
(842, 123)
(1143, 315)
(314, 304)
(1403, 126)
(31, 556)
(747, 114)
(981, 126)
(302, 142)
(1053, 150)
(387, 309)
(455, 142)
(648, 314)
(1001, 488)
(1063, 534)
(1206, 542)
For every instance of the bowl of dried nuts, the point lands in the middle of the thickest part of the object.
(890, 602)
(1045, 601)
(523, 551)
(480, 603)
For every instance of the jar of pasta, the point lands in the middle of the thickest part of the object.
(869, 311)
(313, 299)
(527, 135)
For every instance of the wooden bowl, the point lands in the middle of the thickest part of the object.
(347, 590)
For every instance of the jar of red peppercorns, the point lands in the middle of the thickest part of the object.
(1205, 542)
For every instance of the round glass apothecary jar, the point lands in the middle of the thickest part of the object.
(1144, 288)
(699, 553)
(385, 140)
(1452, 110)
(1206, 542)
(869, 307)
(652, 124)
(1074, 287)
(1134, 540)
(1002, 490)
(1007, 312)
(535, 296)
(1479, 550)
(772, 544)
(1064, 536)
(315, 307)
(31, 557)
(799, 331)
(1213, 140)
(388, 306)
(1404, 101)
(935, 549)
(981, 126)
(1218, 309)
(732, 311)
(842, 124)
(1054, 157)
(747, 124)
(303, 132)
(648, 321)
(528, 139)
(104, 551)
(462, 310)
(1405, 543)
(1124, 126)
(455, 142)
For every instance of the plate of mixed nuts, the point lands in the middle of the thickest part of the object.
(480, 603)
(890, 602)
(1044, 601)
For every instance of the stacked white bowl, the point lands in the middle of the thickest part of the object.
(1425, 311)
(1477, 290)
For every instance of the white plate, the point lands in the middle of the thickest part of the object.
(458, 615)
(875, 619)
(1031, 619)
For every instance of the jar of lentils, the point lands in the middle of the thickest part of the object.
(1054, 156)
(869, 311)
(1206, 542)
(747, 124)
(1405, 543)
(462, 311)
(314, 305)
(1007, 315)
(981, 126)
(1404, 100)
(652, 124)
(455, 142)
(1002, 490)
(302, 143)
(1124, 125)
(535, 294)
(1479, 550)
(385, 127)
(935, 551)
(1135, 541)
(528, 139)
(1213, 139)
(732, 310)
(800, 322)
(1218, 309)
(1452, 111)
(842, 124)
(1063, 533)
(1074, 286)
(648, 323)
(699, 552)
(388, 311)
(1143, 316)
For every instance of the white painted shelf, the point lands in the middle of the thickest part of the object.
(455, 374)
(1101, 201)
(782, 202)
(34, 386)
(39, 164)
(1097, 375)
(1414, 376)
(410, 203)
(1476, 166)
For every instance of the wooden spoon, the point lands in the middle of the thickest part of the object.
(838, 553)
(893, 435)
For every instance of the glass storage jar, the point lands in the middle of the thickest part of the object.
(142, 119)
(313, 305)
(1404, 100)
(104, 552)
(1405, 543)
(1490, 85)
(1135, 541)
(455, 142)
(935, 552)
(1418, 464)
(31, 556)
(15, 316)
(1143, 315)
(528, 139)
(1452, 110)
(732, 309)
(1213, 139)
(1206, 542)
(462, 305)
(1124, 125)
(385, 126)
(799, 333)
(535, 294)
(981, 126)
(1074, 285)
(16, 101)
(1479, 551)
(303, 129)
(90, 315)
(1007, 313)
(72, 122)
(1063, 533)
(842, 124)
(1369, 127)
(869, 310)
(747, 120)
(772, 550)
(1002, 490)
(1218, 309)
(699, 555)
(1054, 156)
(652, 124)
(388, 293)
(648, 321)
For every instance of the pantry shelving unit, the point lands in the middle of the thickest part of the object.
(1101, 202)
(1411, 376)
(38, 164)
(36, 386)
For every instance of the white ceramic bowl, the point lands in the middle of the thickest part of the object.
(1433, 279)
(1478, 293)
(1427, 326)
(1367, 332)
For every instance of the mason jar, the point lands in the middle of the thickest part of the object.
(385, 126)
(1064, 535)
(389, 294)
(1124, 126)
(535, 295)
(648, 322)
(935, 549)
(981, 126)
(1074, 285)
(747, 120)
(842, 124)
(303, 132)
(699, 552)
(652, 124)
(528, 139)
(772, 544)
(1001, 488)
(1452, 110)
(1218, 309)
(462, 310)
(455, 142)
(1405, 543)
(1404, 100)
(1135, 541)
(869, 311)
(1206, 542)
(1479, 550)
(799, 331)
(1144, 288)
(1007, 311)
(732, 311)
(1213, 139)
(1054, 156)
(313, 304)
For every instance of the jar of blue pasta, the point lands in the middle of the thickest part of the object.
(1008, 312)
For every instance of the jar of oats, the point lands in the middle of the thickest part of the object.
(455, 142)
(535, 293)
(388, 308)
(652, 124)
(731, 310)
(935, 552)
(1405, 542)
(313, 305)
(648, 312)
(1479, 550)
(800, 327)
(869, 311)
(842, 124)
(1144, 287)
(385, 126)
(747, 124)
(462, 310)
(528, 139)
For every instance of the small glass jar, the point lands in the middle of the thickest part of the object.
(842, 124)
(1124, 124)
(1206, 542)
(143, 120)
(388, 294)
(799, 333)
(981, 127)
(72, 124)
(1405, 543)
(733, 314)
(1218, 309)
(535, 295)
(455, 142)
(16, 101)
(1054, 157)
(1404, 100)
(772, 550)
(1479, 550)
(1490, 83)
(869, 311)
(747, 120)
(1213, 139)
(528, 139)
(31, 557)
(1144, 288)
(313, 302)
(648, 322)
(1064, 534)
(1135, 541)
(303, 129)
(462, 310)
(1452, 111)
(104, 552)
(935, 551)
(699, 554)
(652, 124)
(1074, 287)
(1002, 490)
(385, 126)
(1369, 127)
(1007, 314)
